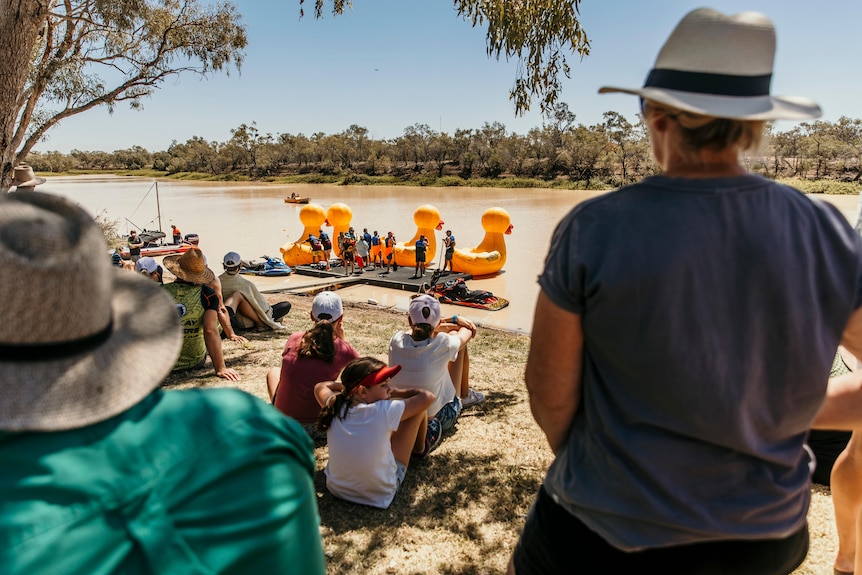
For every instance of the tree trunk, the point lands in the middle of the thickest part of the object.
(21, 23)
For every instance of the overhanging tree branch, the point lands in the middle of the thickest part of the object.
(137, 44)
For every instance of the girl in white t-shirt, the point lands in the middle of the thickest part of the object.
(371, 428)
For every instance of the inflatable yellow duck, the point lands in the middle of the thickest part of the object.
(490, 255)
(338, 216)
(298, 253)
(427, 219)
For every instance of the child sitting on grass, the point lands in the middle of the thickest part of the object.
(372, 428)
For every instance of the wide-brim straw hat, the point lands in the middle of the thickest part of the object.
(83, 340)
(720, 65)
(25, 177)
(190, 266)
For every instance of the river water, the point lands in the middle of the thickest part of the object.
(253, 219)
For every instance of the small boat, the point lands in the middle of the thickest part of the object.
(157, 249)
(267, 266)
(297, 200)
(153, 245)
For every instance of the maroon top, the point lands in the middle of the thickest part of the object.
(295, 393)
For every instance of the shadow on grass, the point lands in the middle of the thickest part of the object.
(432, 498)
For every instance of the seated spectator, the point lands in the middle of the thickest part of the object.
(372, 428)
(101, 471)
(245, 305)
(310, 357)
(197, 304)
(224, 319)
(149, 267)
(24, 179)
(433, 355)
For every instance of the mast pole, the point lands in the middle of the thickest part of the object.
(158, 205)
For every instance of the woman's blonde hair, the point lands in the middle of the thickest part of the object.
(699, 131)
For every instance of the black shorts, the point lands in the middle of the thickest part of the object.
(555, 541)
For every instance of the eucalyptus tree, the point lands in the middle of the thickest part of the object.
(251, 142)
(821, 144)
(787, 148)
(357, 136)
(52, 161)
(622, 142)
(134, 158)
(849, 133)
(194, 155)
(440, 149)
(461, 151)
(584, 148)
(416, 140)
(59, 58)
(485, 143)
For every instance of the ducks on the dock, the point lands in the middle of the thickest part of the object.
(298, 253)
(427, 219)
(490, 255)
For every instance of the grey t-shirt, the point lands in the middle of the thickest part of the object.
(711, 312)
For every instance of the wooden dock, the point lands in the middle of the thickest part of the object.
(401, 279)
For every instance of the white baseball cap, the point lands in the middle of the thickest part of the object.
(232, 260)
(328, 304)
(424, 309)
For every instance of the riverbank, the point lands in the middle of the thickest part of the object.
(460, 510)
(822, 186)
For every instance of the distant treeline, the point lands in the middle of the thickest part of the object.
(609, 154)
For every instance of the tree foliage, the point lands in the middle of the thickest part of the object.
(104, 52)
(612, 153)
(537, 33)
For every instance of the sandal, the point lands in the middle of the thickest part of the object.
(473, 398)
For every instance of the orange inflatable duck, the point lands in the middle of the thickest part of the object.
(427, 219)
(338, 216)
(490, 255)
(298, 253)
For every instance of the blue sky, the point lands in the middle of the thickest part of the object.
(389, 64)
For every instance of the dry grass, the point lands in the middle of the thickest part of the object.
(460, 510)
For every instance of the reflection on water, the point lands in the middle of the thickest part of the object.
(254, 221)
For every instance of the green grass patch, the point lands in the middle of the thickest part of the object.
(823, 186)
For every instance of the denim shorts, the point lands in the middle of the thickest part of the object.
(400, 473)
(449, 414)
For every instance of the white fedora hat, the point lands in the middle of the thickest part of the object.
(83, 340)
(719, 65)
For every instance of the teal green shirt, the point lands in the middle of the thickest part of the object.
(186, 482)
